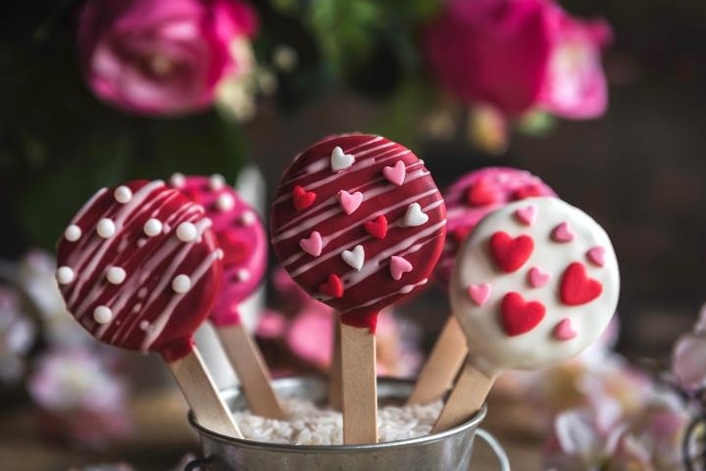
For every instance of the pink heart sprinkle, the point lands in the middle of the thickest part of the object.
(350, 202)
(395, 174)
(313, 245)
(527, 215)
(480, 293)
(597, 255)
(564, 330)
(563, 233)
(399, 266)
(538, 278)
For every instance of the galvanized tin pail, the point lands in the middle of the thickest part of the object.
(446, 451)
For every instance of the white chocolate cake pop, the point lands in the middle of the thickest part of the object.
(534, 284)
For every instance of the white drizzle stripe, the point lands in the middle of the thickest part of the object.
(362, 165)
(337, 210)
(324, 163)
(375, 190)
(85, 273)
(161, 321)
(406, 289)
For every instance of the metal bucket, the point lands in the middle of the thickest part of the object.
(446, 451)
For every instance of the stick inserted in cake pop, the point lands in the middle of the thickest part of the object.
(529, 292)
(359, 223)
(242, 238)
(139, 269)
(468, 200)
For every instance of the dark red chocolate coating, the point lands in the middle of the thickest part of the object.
(367, 291)
(146, 312)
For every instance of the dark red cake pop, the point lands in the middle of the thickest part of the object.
(139, 268)
(358, 222)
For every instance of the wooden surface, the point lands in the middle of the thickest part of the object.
(335, 368)
(161, 436)
(466, 399)
(201, 394)
(442, 366)
(246, 358)
(359, 385)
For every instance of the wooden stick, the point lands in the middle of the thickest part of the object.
(202, 395)
(465, 400)
(359, 385)
(254, 376)
(335, 367)
(442, 366)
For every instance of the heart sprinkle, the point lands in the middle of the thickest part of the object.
(377, 227)
(313, 245)
(302, 198)
(354, 258)
(398, 267)
(340, 161)
(395, 174)
(538, 278)
(333, 287)
(527, 215)
(577, 288)
(510, 254)
(564, 330)
(350, 202)
(563, 233)
(520, 316)
(596, 255)
(414, 216)
(480, 294)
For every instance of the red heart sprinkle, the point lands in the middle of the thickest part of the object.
(577, 288)
(377, 227)
(333, 287)
(520, 316)
(510, 254)
(533, 189)
(302, 198)
(482, 193)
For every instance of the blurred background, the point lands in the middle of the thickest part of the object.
(605, 101)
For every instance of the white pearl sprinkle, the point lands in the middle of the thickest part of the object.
(152, 227)
(177, 180)
(144, 325)
(186, 232)
(64, 275)
(72, 233)
(216, 182)
(115, 275)
(122, 194)
(225, 202)
(219, 254)
(248, 218)
(105, 228)
(181, 284)
(243, 274)
(102, 314)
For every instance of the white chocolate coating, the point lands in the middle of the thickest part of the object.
(491, 347)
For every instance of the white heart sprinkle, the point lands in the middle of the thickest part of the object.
(354, 258)
(414, 216)
(339, 160)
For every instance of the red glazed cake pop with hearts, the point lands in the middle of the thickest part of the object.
(477, 194)
(241, 236)
(139, 268)
(359, 223)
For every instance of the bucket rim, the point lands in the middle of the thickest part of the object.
(473, 423)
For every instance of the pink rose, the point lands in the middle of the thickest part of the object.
(161, 57)
(518, 55)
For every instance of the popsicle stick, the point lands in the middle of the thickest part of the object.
(252, 371)
(201, 394)
(442, 366)
(359, 385)
(335, 368)
(466, 399)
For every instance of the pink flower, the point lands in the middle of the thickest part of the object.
(518, 55)
(161, 57)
